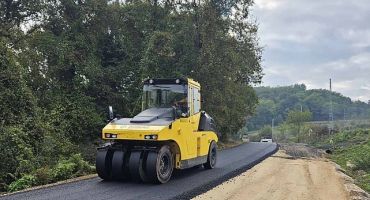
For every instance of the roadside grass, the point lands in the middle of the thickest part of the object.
(351, 150)
(356, 161)
(69, 168)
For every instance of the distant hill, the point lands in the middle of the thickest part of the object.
(275, 102)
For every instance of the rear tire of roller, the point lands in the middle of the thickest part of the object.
(159, 165)
(212, 156)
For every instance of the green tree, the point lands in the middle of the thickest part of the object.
(297, 120)
(20, 132)
(265, 132)
(283, 130)
(223, 71)
(265, 112)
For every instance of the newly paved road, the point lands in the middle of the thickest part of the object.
(183, 185)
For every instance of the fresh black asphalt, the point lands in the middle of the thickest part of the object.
(183, 185)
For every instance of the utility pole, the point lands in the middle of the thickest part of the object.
(301, 108)
(331, 109)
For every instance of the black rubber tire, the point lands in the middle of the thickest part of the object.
(150, 168)
(159, 165)
(212, 156)
(103, 164)
(134, 165)
(118, 165)
(144, 177)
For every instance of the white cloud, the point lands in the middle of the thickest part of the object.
(350, 76)
(267, 4)
(366, 87)
(310, 41)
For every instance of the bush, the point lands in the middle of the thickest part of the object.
(70, 168)
(362, 158)
(25, 167)
(364, 182)
(63, 170)
(25, 182)
(82, 167)
(265, 132)
(43, 176)
(16, 155)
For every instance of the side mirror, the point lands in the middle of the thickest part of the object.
(111, 114)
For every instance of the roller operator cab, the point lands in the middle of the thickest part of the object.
(170, 132)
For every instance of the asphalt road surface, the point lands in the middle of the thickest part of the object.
(184, 184)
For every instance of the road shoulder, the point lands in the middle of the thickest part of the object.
(282, 176)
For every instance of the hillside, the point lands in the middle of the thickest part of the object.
(275, 102)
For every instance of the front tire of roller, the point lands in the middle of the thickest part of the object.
(212, 156)
(136, 165)
(118, 165)
(103, 163)
(159, 165)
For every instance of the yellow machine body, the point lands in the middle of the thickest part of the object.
(183, 132)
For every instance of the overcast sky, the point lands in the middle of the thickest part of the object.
(309, 41)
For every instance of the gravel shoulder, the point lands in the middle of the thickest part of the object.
(304, 176)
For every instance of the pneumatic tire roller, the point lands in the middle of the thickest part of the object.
(171, 132)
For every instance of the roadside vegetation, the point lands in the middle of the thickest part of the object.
(67, 168)
(63, 62)
(351, 150)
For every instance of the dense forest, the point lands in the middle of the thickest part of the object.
(276, 102)
(63, 62)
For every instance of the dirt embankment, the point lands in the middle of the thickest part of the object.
(294, 172)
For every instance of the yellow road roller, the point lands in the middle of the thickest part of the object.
(170, 132)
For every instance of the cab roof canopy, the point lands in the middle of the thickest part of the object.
(178, 81)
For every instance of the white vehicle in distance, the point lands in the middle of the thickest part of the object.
(266, 140)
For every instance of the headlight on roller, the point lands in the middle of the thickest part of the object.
(151, 137)
(111, 135)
